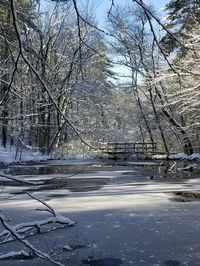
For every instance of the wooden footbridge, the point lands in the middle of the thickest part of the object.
(122, 150)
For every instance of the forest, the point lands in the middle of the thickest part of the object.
(78, 77)
(69, 82)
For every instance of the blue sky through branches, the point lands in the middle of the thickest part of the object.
(101, 7)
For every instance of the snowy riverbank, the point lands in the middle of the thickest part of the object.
(179, 156)
(9, 156)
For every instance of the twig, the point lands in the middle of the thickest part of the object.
(111, 7)
(144, 7)
(51, 210)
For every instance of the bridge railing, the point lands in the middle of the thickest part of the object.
(125, 148)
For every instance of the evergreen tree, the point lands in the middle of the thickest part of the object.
(183, 17)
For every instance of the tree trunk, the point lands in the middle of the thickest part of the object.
(158, 123)
(187, 144)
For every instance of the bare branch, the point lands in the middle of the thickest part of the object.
(146, 9)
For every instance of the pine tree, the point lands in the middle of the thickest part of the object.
(183, 15)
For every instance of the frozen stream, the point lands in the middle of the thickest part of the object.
(127, 213)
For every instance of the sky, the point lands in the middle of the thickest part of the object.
(101, 7)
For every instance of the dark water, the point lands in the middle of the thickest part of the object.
(157, 168)
(172, 263)
(92, 176)
(103, 262)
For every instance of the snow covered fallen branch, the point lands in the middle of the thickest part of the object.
(40, 254)
(17, 232)
(25, 227)
(29, 226)
(17, 179)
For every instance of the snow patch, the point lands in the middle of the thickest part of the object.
(8, 156)
(179, 156)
